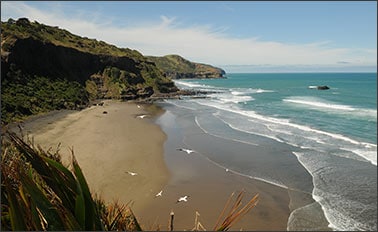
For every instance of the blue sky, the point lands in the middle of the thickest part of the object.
(237, 36)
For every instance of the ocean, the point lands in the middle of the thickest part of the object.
(330, 134)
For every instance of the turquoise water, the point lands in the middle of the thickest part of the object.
(332, 133)
(351, 103)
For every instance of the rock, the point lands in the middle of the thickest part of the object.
(145, 92)
(319, 87)
(322, 87)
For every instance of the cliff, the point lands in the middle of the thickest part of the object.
(176, 67)
(39, 63)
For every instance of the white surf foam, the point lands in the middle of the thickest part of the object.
(194, 85)
(336, 210)
(322, 104)
(235, 99)
(355, 146)
(317, 199)
(237, 93)
(244, 91)
(318, 103)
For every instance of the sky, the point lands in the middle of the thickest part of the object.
(245, 36)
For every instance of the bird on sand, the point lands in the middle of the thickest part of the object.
(132, 173)
(184, 198)
(159, 194)
(138, 106)
(142, 116)
(188, 151)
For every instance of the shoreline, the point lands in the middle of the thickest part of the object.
(105, 153)
(209, 187)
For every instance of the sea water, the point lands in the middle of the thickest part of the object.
(331, 133)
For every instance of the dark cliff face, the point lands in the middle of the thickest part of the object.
(46, 59)
(45, 68)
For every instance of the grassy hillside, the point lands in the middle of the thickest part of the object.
(46, 68)
(23, 28)
(176, 67)
(173, 63)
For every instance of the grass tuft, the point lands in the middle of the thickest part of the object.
(236, 212)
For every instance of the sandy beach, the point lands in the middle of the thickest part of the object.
(111, 140)
(107, 146)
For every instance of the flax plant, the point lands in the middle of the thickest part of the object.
(236, 212)
(39, 193)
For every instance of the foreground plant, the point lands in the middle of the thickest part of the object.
(40, 193)
(236, 212)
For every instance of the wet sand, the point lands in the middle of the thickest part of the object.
(209, 186)
(107, 145)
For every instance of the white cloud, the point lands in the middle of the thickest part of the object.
(197, 43)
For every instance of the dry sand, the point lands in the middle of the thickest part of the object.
(107, 146)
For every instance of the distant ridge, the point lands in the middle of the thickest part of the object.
(176, 67)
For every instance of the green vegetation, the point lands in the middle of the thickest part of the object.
(115, 83)
(173, 63)
(39, 193)
(23, 28)
(44, 73)
(23, 95)
(175, 67)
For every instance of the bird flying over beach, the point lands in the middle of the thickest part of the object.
(132, 173)
(184, 198)
(188, 151)
(159, 194)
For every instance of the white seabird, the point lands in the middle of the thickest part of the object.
(138, 106)
(132, 173)
(159, 194)
(142, 116)
(188, 151)
(184, 198)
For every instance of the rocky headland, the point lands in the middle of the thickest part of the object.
(176, 67)
(46, 68)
